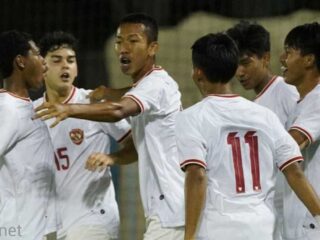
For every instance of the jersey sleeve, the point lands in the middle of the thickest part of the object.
(308, 122)
(118, 130)
(190, 143)
(8, 128)
(147, 94)
(287, 150)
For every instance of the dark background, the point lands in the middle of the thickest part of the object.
(93, 21)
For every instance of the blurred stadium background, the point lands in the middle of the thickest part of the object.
(181, 22)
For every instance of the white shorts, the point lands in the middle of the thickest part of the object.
(156, 232)
(312, 230)
(242, 223)
(85, 232)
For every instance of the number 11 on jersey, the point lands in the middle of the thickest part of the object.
(252, 141)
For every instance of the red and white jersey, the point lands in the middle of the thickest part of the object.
(85, 197)
(306, 119)
(26, 169)
(279, 97)
(161, 181)
(232, 138)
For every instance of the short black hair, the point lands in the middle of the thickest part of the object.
(305, 38)
(150, 23)
(217, 56)
(54, 40)
(251, 38)
(12, 44)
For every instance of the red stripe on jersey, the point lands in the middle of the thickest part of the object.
(124, 136)
(292, 160)
(304, 132)
(192, 161)
(154, 68)
(14, 95)
(136, 100)
(224, 95)
(266, 86)
(73, 90)
(71, 94)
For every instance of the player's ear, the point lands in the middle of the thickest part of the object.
(266, 59)
(195, 74)
(153, 48)
(309, 60)
(200, 74)
(19, 62)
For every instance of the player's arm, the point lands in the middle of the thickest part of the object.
(303, 189)
(126, 155)
(300, 138)
(103, 112)
(195, 193)
(104, 93)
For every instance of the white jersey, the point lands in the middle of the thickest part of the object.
(306, 119)
(26, 169)
(161, 181)
(279, 97)
(85, 197)
(241, 145)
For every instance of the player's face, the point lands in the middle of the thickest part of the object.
(251, 70)
(292, 66)
(35, 67)
(62, 69)
(134, 51)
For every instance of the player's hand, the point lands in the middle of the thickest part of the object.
(52, 110)
(98, 95)
(98, 161)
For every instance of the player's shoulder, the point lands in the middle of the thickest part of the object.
(191, 113)
(81, 95)
(308, 103)
(13, 107)
(158, 77)
(283, 86)
(10, 101)
(315, 93)
(38, 102)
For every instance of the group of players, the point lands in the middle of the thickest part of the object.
(210, 171)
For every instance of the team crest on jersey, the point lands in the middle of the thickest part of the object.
(76, 136)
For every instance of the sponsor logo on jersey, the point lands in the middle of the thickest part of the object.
(76, 136)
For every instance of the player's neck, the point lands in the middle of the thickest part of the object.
(59, 96)
(308, 84)
(143, 71)
(15, 86)
(217, 88)
(264, 82)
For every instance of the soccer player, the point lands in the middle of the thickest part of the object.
(301, 68)
(230, 153)
(26, 153)
(151, 104)
(253, 72)
(87, 204)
